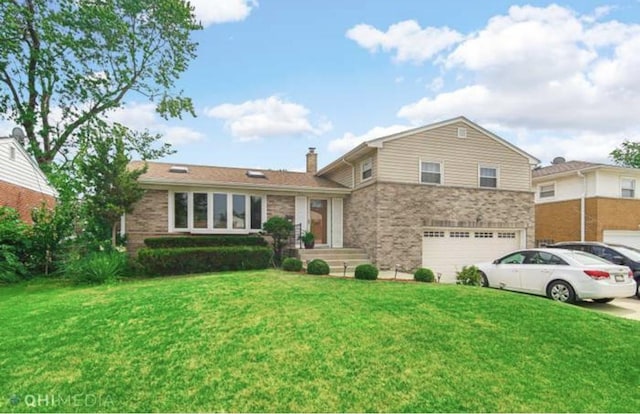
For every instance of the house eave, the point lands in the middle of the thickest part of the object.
(160, 183)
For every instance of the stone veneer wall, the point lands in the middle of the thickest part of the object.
(279, 205)
(360, 216)
(388, 220)
(150, 218)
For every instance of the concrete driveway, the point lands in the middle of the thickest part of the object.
(626, 308)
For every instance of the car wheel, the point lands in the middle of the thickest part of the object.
(561, 291)
(603, 300)
(484, 282)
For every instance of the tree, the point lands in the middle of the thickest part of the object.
(627, 155)
(280, 230)
(111, 187)
(80, 59)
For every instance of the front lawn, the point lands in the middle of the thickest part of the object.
(271, 341)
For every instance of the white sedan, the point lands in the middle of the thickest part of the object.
(562, 275)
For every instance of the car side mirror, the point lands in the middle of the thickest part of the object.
(618, 260)
(497, 261)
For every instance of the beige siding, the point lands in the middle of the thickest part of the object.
(342, 175)
(399, 159)
(374, 169)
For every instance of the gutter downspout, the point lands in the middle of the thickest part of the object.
(582, 205)
(353, 173)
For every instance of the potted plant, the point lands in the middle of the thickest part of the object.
(308, 239)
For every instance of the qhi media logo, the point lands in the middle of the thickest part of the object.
(60, 400)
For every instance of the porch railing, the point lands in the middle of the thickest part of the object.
(294, 240)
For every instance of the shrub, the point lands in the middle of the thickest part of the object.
(423, 275)
(96, 267)
(291, 264)
(14, 246)
(280, 230)
(469, 275)
(204, 241)
(203, 259)
(366, 272)
(318, 267)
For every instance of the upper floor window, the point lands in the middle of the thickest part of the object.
(367, 169)
(628, 187)
(12, 153)
(547, 190)
(488, 177)
(430, 173)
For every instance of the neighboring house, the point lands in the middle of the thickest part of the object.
(577, 200)
(441, 196)
(23, 186)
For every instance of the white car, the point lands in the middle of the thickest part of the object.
(562, 275)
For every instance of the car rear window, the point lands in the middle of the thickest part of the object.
(630, 253)
(587, 258)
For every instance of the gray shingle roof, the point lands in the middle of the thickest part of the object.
(564, 167)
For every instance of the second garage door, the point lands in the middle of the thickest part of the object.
(446, 251)
(629, 238)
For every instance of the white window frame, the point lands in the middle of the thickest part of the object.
(551, 184)
(210, 221)
(12, 153)
(497, 177)
(633, 187)
(363, 170)
(441, 166)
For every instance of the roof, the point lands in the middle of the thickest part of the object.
(379, 142)
(569, 167)
(158, 173)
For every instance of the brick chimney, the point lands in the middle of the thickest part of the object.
(312, 161)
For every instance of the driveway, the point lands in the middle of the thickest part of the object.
(626, 308)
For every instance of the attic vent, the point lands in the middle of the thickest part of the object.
(179, 169)
(255, 174)
(462, 132)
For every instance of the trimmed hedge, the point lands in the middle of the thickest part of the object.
(318, 267)
(203, 259)
(291, 264)
(366, 272)
(424, 275)
(204, 241)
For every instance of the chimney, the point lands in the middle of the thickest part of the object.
(312, 161)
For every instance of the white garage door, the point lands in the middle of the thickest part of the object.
(446, 251)
(629, 238)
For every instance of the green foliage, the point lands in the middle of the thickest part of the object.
(178, 261)
(291, 264)
(307, 238)
(96, 267)
(86, 57)
(318, 267)
(469, 275)
(366, 272)
(51, 227)
(204, 241)
(627, 155)
(423, 275)
(14, 246)
(280, 230)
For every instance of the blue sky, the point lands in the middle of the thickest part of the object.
(274, 77)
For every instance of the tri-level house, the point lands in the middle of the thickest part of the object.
(23, 186)
(441, 196)
(577, 200)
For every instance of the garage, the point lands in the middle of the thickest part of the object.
(629, 238)
(446, 251)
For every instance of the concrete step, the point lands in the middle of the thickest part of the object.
(332, 253)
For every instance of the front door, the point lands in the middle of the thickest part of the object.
(319, 218)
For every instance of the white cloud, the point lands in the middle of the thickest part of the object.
(143, 116)
(272, 116)
(350, 140)
(546, 70)
(407, 38)
(221, 11)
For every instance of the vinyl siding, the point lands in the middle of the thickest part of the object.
(21, 171)
(398, 160)
(342, 175)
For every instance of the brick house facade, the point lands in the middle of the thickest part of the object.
(452, 180)
(23, 186)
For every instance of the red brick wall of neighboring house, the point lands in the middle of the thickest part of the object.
(23, 199)
(561, 221)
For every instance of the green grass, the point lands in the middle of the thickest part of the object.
(270, 341)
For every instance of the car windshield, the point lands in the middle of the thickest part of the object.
(629, 252)
(587, 258)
